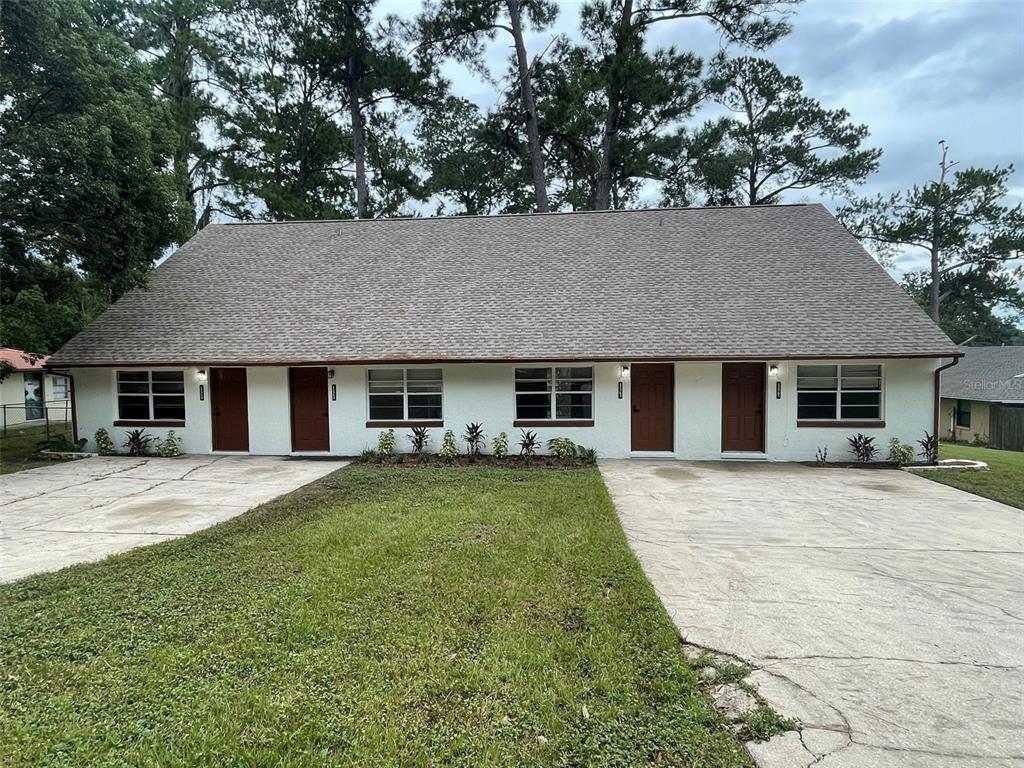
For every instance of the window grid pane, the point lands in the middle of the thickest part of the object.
(405, 394)
(561, 392)
(151, 395)
(829, 393)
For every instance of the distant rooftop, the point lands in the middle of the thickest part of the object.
(995, 374)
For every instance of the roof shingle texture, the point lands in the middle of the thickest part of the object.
(995, 374)
(782, 281)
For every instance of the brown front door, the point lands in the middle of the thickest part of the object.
(651, 396)
(230, 403)
(743, 407)
(310, 425)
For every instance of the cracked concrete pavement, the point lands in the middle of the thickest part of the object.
(882, 610)
(84, 510)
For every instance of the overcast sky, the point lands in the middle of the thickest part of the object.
(913, 71)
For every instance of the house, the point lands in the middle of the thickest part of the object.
(758, 333)
(29, 394)
(983, 398)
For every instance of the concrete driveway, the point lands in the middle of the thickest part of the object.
(84, 510)
(883, 610)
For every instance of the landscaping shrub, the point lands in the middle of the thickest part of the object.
(170, 446)
(821, 456)
(930, 448)
(528, 445)
(474, 438)
(367, 455)
(449, 450)
(863, 447)
(586, 455)
(419, 438)
(61, 443)
(137, 442)
(104, 445)
(386, 445)
(900, 454)
(563, 449)
(499, 446)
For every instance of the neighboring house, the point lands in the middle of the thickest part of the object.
(983, 398)
(28, 393)
(760, 333)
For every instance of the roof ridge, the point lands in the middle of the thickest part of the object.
(526, 214)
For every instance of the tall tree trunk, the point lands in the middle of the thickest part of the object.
(180, 88)
(613, 93)
(358, 140)
(936, 297)
(526, 94)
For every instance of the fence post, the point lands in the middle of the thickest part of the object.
(46, 416)
(5, 420)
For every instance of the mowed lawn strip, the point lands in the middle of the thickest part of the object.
(1003, 481)
(378, 617)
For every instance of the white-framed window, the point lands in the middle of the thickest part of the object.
(60, 388)
(839, 392)
(151, 395)
(556, 393)
(405, 394)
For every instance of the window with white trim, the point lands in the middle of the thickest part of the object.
(151, 395)
(839, 392)
(60, 388)
(559, 393)
(405, 394)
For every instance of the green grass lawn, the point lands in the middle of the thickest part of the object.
(1004, 480)
(19, 446)
(461, 617)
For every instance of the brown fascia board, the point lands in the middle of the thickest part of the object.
(467, 361)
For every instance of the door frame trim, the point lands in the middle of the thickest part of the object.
(653, 452)
(764, 408)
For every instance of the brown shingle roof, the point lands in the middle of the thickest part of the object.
(771, 282)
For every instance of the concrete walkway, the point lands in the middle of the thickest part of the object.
(84, 510)
(883, 610)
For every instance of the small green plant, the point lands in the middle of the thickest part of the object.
(499, 446)
(419, 439)
(475, 441)
(449, 449)
(900, 454)
(170, 446)
(563, 449)
(104, 445)
(863, 447)
(386, 445)
(930, 448)
(367, 456)
(137, 442)
(586, 455)
(528, 445)
(979, 440)
(821, 457)
(763, 722)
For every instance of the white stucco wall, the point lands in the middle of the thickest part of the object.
(485, 393)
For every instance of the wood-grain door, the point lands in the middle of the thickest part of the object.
(743, 407)
(650, 391)
(229, 401)
(310, 422)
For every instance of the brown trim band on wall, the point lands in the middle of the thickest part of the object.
(145, 423)
(410, 424)
(843, 423)
(500, 360)
(553, 423)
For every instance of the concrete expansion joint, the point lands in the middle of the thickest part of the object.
(977, 665)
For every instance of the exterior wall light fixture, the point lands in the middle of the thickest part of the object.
(330, 373)
(623, 373)
(773, 370)
(201, 374)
